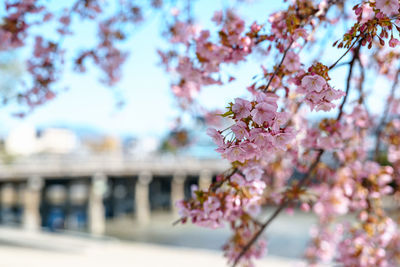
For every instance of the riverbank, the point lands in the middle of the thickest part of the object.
(19, 248)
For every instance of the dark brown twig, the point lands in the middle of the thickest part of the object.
(385, 114)
(279, 66)
(347, 51)
(216, 185)
(285, 202)
(348, 80)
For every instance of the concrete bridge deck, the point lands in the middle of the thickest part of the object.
(69, 167)
(30, 180)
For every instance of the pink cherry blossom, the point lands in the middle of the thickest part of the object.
(240, 130)
(241, 108)
(263, 112)
(313, 83)
(216, 136)
(235, 153)
(367, 13)
(393, 42)
(292, 61)
(342, 166)
(389, 7)
(280, 119)
(253, 172)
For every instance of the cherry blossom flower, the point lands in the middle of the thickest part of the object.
(253, 172)
(241, 108)
(216, 136)
(389, 7)
(291, 62)
(329, 165)
(313, 83)
(240, 131)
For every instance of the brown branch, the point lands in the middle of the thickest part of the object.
(347, 51)
(215, 186)
(279, 66)
(348, 80)
(361, 82)
(361, 89)
(385, 114)
(342, 64)
(177, 221)
(255, 221)
(285, 202)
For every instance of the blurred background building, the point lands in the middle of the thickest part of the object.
(69, 183)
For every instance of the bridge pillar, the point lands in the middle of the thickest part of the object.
(142, 200)
(205, 179)
(8, 195)
(97, 218)
(32, 198)
(177, 190)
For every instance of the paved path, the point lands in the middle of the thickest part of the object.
(22, 249)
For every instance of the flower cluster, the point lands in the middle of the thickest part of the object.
(271, 140)
(323, 245)
(370, 244)
(211, 208)
(371, 17)
(242, 236)
(259, 128)
(14, 27)
(336, 165)
(44, 69)
(232, 46)
(23, 22)
(238, 201)
(392, 139)
(318, 93)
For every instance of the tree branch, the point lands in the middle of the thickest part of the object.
(279, 66)
(382, 122)
(348, 80)
(286, 201)
(347, 51)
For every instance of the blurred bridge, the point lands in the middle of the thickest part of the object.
(80, 193)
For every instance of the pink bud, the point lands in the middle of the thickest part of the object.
(393, 42)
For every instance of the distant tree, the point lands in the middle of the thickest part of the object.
(11, 71)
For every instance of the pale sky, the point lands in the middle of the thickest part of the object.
(150, 106)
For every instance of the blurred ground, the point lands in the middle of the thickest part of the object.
(21, 249)
(157, 243)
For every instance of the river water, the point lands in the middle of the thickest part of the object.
(287, 236)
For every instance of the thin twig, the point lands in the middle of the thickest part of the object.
(213, 187)
(257, 222)
(285, 202)
(348, 81)
(361, 89)
(337, 61)
(382, 122)
(177, 221)
(342, 64)
(279, 66)
(216, 185)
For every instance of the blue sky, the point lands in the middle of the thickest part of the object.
(150, 107)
